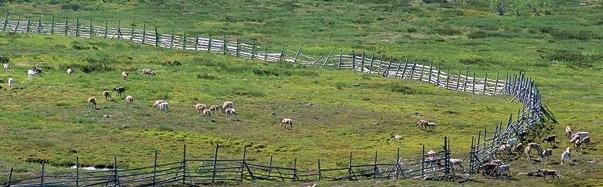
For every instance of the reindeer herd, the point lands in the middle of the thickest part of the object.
(227, 108)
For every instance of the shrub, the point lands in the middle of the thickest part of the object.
(91, 67)
(206, 76)
(469, 61)
(448, 31)
(576, 35)
(4, 59)
(411, 30)
(172, 63)
(264, 72)
(401, 89)
(545, 29)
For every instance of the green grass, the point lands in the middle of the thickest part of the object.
(561, 51)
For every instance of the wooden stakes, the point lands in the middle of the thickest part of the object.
(39, 27)
(77, 27)
(353, 61)
(155, 169)
(77, 171)
(91, 29)
(362, 63)
(4, 29)
(28, 23)
(107, 28)
(297, 54)
(340, 58)
(144, 34)
(156, 37)
(371, 66)
(184, 166)
(42, 175)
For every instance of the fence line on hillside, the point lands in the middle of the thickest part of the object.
(530, 118)
(407, 69)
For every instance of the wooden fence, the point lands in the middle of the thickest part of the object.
(522, 88)
(361, 62)
(200, 171)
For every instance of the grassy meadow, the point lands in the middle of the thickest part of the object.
(336, 111)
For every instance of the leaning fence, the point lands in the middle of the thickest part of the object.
(203, 171)
(522, 88)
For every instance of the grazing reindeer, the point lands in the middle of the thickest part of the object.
(425, 124)
(566, 155)
(107, 95)
(230, 113)
(287, 121)
(92, 103)
(568, 132)
(531, 146)
(550, 140)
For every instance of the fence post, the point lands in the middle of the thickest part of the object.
(353, 61)
(350, 171)
(253, 49)
(196, 42)
(156, 37)
(77, 171)
(184, 165)
(421, 73)
(28, 23)
(295, 169)
(496, 83)
(389, 65)
(115, 176)
(430, 69)
(266, 53)
(466, 79)
(340, 58)
(91, 29)
(243, 163)
(471, 153)
(77, 27)
(438, 77)
(412, 69)
(362, 63)
(319, 174)
(458, 79)
(376, 169)
(398, 163)
(282, 56)
(10, 177)
(118, 30)
(52, 25)
(225, 50)
(209, 43)
(183, 40)
(372, 60)
(132, 31)
(423, 161)
(144, 33)
(155, 169)
(297, 54)
(5, 24)
(446, 156)
(270, 166)
(448, 77)
(485, 83)
(473, 84)
(17, 26)
(39, 28)
(404, 69)
(213, 175)
(172, 39)
(237, 48)
(42, 175)
(106, 28)
(398, 64)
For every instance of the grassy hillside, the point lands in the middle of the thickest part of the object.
(560, 49)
